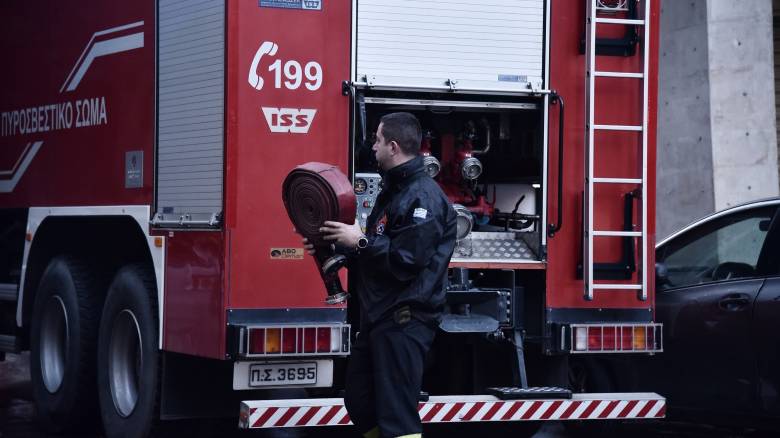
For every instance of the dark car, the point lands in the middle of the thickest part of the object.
(718, 297)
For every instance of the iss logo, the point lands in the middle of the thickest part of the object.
(292, 120)
(312, 4)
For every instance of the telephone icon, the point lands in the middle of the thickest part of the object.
(266, 48)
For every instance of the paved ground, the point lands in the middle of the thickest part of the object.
(16, 410)
(17, 420)
(17, 416)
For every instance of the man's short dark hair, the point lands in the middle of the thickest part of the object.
(404, 129)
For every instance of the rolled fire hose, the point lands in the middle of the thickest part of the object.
(314, 193)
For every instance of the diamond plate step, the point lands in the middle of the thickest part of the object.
(493, 246)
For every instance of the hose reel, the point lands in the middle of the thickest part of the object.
(314, 193)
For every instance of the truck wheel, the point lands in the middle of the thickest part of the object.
(590, 376)
(62, 357)
(128, 357)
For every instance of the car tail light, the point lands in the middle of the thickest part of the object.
(613, 338)
(292, 340)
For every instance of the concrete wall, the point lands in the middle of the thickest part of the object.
(685, 180)
(742, 101)
(717, 145)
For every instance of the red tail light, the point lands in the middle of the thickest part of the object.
(615, 338)
(300, 341)
(323, 340)
(594, 338)
(627, 340)
(309, 340)
(289, 340)
(257, 341)
(609, 339)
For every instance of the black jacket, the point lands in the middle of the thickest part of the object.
(411, 236)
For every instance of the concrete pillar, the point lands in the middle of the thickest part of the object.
(742, 101)
(684, 164)
(717, 145)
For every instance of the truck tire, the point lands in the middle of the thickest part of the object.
(62, 345)
(128, 355)
(591, 376)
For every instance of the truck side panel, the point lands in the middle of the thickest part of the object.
(194, 321)
(618, 101)
(285, 108)
(78, 99)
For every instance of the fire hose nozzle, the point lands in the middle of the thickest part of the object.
(337, 298)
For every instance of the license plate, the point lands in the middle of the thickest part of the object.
(275, 374)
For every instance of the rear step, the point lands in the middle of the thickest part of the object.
(256, 414)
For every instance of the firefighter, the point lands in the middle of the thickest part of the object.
(399, 267)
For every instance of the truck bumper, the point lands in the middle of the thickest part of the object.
(258, 414)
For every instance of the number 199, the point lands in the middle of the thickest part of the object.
(294, 74)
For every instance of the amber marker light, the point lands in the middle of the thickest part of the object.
(273, 340)
(640, 338)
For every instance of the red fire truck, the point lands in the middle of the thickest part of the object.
(150, 268)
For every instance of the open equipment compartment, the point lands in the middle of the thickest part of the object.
(486, 153)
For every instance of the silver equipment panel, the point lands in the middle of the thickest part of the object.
(367, 187)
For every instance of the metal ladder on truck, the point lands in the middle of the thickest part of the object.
(594, 19)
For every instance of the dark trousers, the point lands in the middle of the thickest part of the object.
(384, 376)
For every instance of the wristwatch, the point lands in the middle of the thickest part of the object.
(362, 242)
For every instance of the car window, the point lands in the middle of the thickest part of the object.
(723, 249)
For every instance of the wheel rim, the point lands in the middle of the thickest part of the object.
(54, 342)
(125, 361)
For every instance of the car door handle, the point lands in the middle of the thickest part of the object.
(734, 301)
